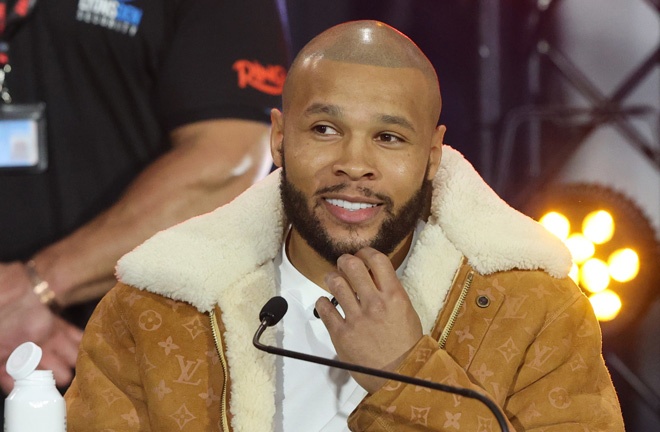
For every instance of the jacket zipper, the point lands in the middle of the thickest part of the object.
(454, 313)
(218, 346)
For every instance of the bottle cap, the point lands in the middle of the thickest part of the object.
(24, 360)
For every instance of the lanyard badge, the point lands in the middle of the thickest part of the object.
(22, 126)
(23, 138)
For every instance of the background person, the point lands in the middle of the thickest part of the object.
(155, 112)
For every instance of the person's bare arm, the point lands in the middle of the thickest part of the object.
(210, 163)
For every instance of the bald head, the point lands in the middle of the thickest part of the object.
(365, 42)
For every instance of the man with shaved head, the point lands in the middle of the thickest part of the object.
(431, 276)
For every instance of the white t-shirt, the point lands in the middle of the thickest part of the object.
(311, 397)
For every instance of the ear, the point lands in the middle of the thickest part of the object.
(435, 156)
(276, 136)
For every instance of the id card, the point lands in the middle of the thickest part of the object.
(23, 138)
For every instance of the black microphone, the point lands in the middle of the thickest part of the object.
(274, 310)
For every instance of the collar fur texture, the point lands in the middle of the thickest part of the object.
(196, 260)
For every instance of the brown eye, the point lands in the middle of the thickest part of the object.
(389, 138)
(324, 130)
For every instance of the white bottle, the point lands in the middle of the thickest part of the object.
(35, 404)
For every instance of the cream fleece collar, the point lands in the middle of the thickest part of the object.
(198, 259)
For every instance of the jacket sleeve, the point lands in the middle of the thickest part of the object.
(100, 396)
(556, 381)
(145, 364)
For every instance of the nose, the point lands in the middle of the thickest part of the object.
(356, 160)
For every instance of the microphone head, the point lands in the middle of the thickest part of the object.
(273, 311)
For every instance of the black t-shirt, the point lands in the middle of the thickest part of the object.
(116, 77)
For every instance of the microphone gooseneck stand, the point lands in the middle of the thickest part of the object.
(274, 310)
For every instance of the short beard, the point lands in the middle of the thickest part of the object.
(392, 232)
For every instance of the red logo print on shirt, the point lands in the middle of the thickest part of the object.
(267, 79)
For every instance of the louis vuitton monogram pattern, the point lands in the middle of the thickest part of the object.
(535, 350)
(150, 364)
(138, 369)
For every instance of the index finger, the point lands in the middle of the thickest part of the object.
(380, 267)
(355, 272)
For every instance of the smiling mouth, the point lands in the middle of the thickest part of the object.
(350, 206)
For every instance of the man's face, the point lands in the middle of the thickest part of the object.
(360, 150)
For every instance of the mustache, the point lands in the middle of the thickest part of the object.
(387, 201)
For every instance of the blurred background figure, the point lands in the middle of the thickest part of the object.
(130, 116)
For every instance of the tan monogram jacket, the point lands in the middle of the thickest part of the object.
(169, 348)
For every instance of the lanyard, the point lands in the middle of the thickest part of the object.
(9, 20)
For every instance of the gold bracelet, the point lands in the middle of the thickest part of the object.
(41, 288)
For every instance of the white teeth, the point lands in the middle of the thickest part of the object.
(350, 206)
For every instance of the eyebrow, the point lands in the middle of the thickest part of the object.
(319, 108)
(335, 111)
(396, 120)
